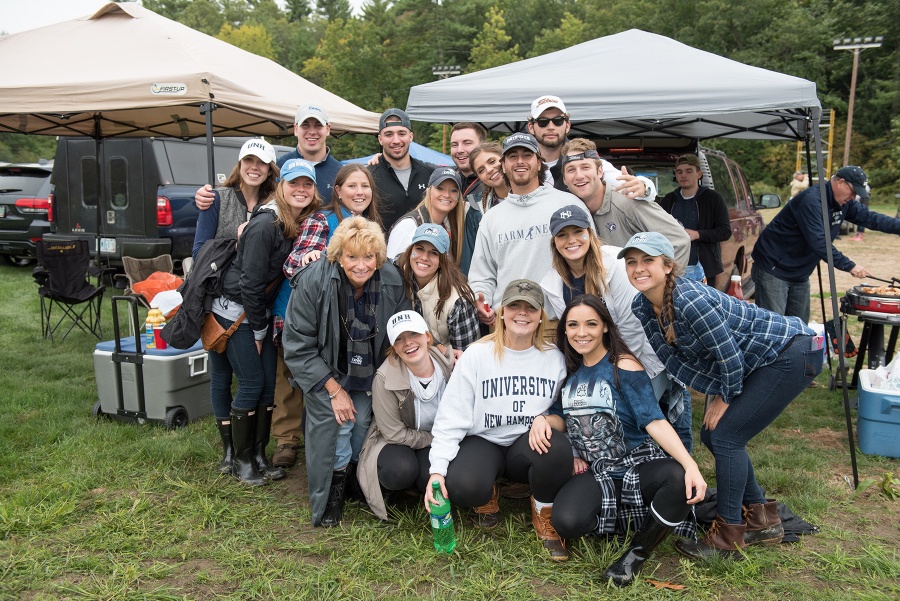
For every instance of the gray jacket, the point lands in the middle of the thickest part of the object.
(311, 348)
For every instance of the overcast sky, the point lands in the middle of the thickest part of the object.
(20, 15)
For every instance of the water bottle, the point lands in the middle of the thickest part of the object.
(735, 289)
(442, 521)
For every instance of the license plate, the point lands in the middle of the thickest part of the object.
(108, 245)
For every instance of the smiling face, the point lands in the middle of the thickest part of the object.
(253, 171)
(412, 348)
(584, 331)
(424, 260)
(572, 243)
(487, 167)
(646, 272)
(355, 193)
(584, 179)
(520, 320)
(521, 167)
(462, 142)
(395, 141)
(311, 135)
(298, 193)
(550, 136)
(359, 266)
(444, 198)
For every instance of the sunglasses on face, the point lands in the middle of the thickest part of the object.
(558, 121)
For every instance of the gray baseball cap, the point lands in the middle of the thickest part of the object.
(524, 290)
(392, 117)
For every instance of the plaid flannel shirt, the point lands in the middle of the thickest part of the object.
(313, 236)
(719, 339)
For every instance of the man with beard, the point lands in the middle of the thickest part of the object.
(549, 124)
(513, 241)
(400, 179)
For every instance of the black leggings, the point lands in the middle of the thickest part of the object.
(578, 504)
(471, 476)
(400, 467)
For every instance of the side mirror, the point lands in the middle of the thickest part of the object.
(769, 201)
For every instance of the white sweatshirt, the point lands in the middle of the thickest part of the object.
(514, 241)
(494, 400)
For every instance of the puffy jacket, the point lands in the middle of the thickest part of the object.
(395, 199)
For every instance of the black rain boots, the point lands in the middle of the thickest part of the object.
(334, 509)
(624, 570)
(263, 429)
(243, 434)
(224, 426)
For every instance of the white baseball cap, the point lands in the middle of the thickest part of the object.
(405, 321)
(542, 103)
(258, 148)
(311, 110)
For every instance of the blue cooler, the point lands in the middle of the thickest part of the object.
(878, 420)
(167, 386)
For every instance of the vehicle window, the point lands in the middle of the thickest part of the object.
(28, 182)
(187, 161)
(660, 173)
(743, 186)
(89, 178)
(722, 179)
(118, 182)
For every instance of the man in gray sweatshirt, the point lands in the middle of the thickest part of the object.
(514, 237)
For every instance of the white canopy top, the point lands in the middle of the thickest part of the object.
(631, 84)
(132, 72)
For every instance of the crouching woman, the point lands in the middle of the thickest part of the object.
(407, 390)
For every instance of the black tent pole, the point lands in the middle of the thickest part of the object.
(826, 226)
(206, 109)
(99, 162)
(809, 171)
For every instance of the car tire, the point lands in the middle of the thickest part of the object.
(19, 261)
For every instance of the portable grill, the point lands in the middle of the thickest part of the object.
(876, 306)
(874, 299)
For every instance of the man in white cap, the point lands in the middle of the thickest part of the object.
(549, 123)
(513, 239)
(312, 129)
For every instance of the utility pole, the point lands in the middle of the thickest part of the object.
(856, 45)
(443, 72)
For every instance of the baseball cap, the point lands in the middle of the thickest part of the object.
(652, 243)
(569, 215)
(856, 177)
(520, 139)
(524, 290)
(258, 148)
(542, 103)
(442, 174)
(298, 168)
(433, 233)
(393, 117)
(405, 321)
(311, 110)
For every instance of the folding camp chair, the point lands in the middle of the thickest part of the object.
(66, 293)
(138, 270)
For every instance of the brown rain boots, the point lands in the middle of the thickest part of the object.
(763, 523)
(722, 539)
(488, 516)
(551, 539)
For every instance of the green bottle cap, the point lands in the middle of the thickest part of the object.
(436, 485)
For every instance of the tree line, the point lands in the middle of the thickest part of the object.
(372, 58)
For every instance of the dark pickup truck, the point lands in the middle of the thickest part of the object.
(147, 206)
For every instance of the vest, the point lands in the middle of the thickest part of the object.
(428, 296)
(232, 213)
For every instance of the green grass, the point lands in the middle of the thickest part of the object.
(106, 510)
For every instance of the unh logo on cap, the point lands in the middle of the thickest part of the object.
(565, 214)
(431, 231)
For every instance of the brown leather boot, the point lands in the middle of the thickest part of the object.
(722, 539)
(488, 515)
(551, 539)
(763, 523)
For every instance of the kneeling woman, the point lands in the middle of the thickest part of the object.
(405, 395)
(630, 465)
(753, 361)
(334, 341)
(481, 429)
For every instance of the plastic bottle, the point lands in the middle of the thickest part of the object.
(735, 289)
(154, 318)
(442, 521)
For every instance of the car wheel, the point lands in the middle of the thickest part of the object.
(176, 418)
(19, 261)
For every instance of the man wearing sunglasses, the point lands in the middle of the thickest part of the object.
(549, 124)
(616, 217)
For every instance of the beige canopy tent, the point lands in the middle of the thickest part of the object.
(127, 71)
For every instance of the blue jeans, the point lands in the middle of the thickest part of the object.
(351, 435)
(255, 372)
(767, 392)
(790, 299)
(694, 272)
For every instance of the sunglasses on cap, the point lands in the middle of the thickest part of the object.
(570, 158)
(558, 121)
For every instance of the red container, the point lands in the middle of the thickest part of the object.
(157, 336)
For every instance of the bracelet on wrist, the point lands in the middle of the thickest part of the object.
(331, 396)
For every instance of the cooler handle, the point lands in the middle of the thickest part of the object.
(889, 406)
(193, 360)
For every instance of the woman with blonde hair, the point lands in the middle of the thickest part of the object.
(334, 341)
(480, 433)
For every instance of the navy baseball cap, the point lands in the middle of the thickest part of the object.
(652, 243)
(520, 140)
(856, 177)
(569, 215)
(442, 174)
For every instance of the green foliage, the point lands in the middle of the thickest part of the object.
(253, 38)
(333, 9)
(491, 47)
(571, 31)
(21, 148)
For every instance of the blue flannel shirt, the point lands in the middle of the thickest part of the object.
(719, 339)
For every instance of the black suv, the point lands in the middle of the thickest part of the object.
(24, 202)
